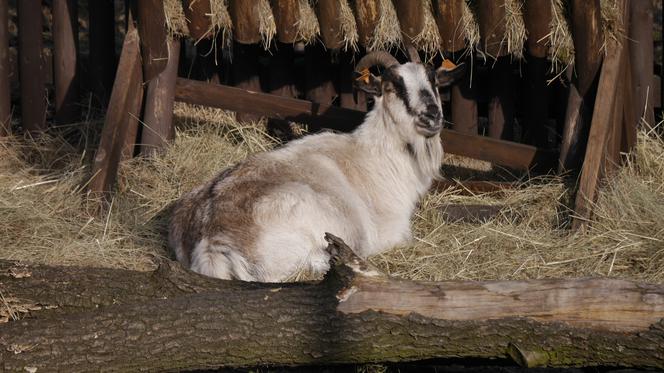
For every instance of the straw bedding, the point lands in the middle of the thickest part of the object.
(44, 217)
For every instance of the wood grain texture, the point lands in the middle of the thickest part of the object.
(5, 71)
(121, 117)
(537, 19)
(172, 319)
(31, 67)
(321, 115)
(286, 16)
(244, 15)
(367, 13)
(411, 17)
(329, 13)
(153, 36)
(491, 20)
(448, 15)
(65, 60)
(197, 14)
(642, 58)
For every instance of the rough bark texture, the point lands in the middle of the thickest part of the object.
(171, 319)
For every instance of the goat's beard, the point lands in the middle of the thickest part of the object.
(428, 153)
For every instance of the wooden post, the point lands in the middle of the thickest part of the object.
(33, 84)
(587, 34)
(491, 17)
(65, 60)
(245, 70)
(448, 15)
(160, 63)
(244, 15)
(537, 18)
(463, 100)
(286, 16)
(607, 108)
(411, 17)
(158, 127)
(197, 13)
(347, 98)
(121, 120)
(642, 58)
(328, 13)
(5, 93)
(102, 48)
(367, 13)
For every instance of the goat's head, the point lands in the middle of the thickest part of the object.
(408, 92)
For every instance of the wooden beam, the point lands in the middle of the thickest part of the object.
(244, 15)
(586, 30)
(65, 60)
(121, 117)
(491, 21)
(642, 58)
(329, 13)
(152, 31)
(537, 18)
(33, 81)
(5, 71)
(367, 14)
(286, 16)
(465, 117)
(600, 129)
(102, 52)
(411, 17)
(321, 115)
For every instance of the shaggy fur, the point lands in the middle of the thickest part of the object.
(265, 218)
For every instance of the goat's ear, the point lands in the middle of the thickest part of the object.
(448, 73)
(367, 82)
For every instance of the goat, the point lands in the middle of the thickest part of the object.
(265, 218)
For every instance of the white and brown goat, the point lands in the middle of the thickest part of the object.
(265, 218)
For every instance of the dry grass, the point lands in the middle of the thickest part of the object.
(470, 27)
(387, 34)
(515, 28)
(308, 28)
(348, 26)
(266, 24)
(45, 219)
(176, 23)
(561, 52)
(428, 40)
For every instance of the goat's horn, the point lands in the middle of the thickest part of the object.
(381, 58)
(412, 51)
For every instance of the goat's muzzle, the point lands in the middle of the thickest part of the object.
(430, 122)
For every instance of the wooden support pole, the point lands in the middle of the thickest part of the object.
(411, 17)
(537, 18)
(5, 70)
(329, 13)
(642, 58)
(197, 14)
(122, 115)
(152, 31)
(102, 48)
(244, 15)
(587, 34)
(31, 68)
(449, 15)
(367, 13)
(286, 16)
(158, 127)
(465, 117)
(245, 69)
(65, 60)
(321, 115)
(600, 129)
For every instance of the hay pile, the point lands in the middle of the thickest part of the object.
(44, 218)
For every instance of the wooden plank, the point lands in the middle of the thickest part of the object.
(367, 13)
(5, 71)
(411, 17)
(320, 115)
(642, 58)
(244, 15)
(158, 127)
(152, 31)
(599, 132)
(197, 13)
(588, 38)
(31, 68)
(448, 14)
(286, 16)
(102, 48)
(329, 13)
(120, 116)
(65, 60)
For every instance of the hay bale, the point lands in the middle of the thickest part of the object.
(308, 27)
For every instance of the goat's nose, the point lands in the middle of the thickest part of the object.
(432, 112)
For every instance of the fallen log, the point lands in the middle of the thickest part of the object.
(172, 319)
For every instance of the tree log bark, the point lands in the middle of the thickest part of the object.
(172, 319)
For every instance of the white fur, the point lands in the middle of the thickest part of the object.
(362, 187)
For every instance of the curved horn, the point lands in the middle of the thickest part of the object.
(381, 58)
(412, 51)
